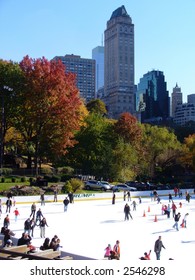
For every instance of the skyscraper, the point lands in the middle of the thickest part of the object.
(84, 68)
(98, 56)
(119, 63)
(177, 99)
(152, 97)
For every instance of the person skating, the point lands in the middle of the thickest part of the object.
(42, 198)
(127, 212)
(8, 205)
(108, 249)
(43, 224)
(16, 214)
(115, 253)
(66, 202)
(6, 221)
(39, 215)
(176, 218)
(33, 210)
(113, 198)
(158, 245)
(184, 221)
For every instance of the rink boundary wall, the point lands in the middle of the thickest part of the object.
(89, 196)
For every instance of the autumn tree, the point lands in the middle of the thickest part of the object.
(51, 108)
(188, 156)
(128, 128)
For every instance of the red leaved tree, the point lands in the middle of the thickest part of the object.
(128, 128)
(51, 108)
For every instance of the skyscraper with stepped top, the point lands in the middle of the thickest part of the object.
(119, 64)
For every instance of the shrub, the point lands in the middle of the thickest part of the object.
(67, 187)
(76, 184)
(7, 171)
(23, 179)
(47, 171)
(65, 170)
(65, 177)
(52, 179)
(13, 180)
(2, 180)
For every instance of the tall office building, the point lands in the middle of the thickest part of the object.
(84, 68)
(152, 97)
(185, 112)
(119, 63)
(177, 99)
(98, 56)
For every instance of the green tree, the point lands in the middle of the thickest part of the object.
(94, 150)
(158, 143)
(10, 86)
(125, 162)
(97, 106)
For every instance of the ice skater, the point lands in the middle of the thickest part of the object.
(108, 249)
(113, 198)
(176, 218)
(42, 198)
(16, 214)
(8, 205)
(33, 210)
(43, 224)
(66, 202)
(127, 212)
(158, 245)
(184, 221)
(134, 205)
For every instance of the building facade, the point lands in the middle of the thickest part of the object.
(176, 99)
(84, 68)
(185, 112)
(152, 98)
(119, 64)
(98, 56)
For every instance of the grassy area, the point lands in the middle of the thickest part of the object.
(7, 185)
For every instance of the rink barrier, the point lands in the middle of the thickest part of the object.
(90, 196)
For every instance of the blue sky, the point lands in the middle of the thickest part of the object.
(164, 33)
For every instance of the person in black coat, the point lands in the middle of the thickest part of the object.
(66, 202)
(7, 236)
(46, 244)
(113, 198)
(25, 239)
(8, 205)
(127, 212)
(157, 247)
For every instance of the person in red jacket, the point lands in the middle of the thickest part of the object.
(173, 207)
(16, 213)
(146, 256)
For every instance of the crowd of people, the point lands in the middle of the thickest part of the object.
(35, 219)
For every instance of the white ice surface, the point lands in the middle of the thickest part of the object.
(88, 226)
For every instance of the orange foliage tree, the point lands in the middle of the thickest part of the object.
(51, 108)
(128, 128)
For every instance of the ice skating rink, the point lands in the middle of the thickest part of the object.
(89, 226)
